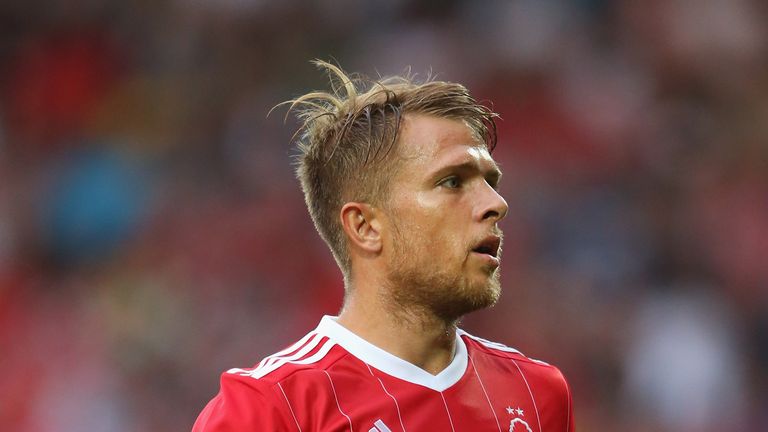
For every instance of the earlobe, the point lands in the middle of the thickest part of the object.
(361, 226)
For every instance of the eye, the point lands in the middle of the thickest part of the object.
(494, 183)
(451, 182)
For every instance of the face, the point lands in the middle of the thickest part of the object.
(442, 244)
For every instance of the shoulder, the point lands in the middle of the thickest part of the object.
(314, 352)
(509, 360)
(546, 383)
(257, 398)
(232, 408)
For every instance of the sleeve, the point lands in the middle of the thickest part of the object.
(570, 422)
(553, 395)
(243, 405)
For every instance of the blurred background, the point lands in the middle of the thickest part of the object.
(152, 234)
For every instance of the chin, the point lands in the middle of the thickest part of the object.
(472, 297)
(487, 296)
(448, 295)
(486, 284)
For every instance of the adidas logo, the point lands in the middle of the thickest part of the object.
(379, 426)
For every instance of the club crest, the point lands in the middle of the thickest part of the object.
(519, 425)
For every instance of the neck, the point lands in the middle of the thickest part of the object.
(414, 335)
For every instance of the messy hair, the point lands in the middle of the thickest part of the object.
(347, 141)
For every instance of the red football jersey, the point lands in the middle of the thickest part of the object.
(333, 380)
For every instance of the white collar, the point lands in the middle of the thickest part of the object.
(393, 365)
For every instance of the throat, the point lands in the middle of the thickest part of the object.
(430, 349)
(429, 344)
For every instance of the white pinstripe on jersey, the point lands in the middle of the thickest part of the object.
(533, 399)
(338, 405)
(447, 411)
(474, 368)
(397, 405)
(502, 347)
(289, 406)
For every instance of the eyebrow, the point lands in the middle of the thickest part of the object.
(493, 174)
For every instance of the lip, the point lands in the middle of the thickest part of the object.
(487, 258)
(489, 245)
(488, 250)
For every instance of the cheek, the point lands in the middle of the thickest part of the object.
(438, 243)
(432, 227)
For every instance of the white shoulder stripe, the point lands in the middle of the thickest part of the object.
(314, 358)
(288, 350)
(296, 358)
(274, 358)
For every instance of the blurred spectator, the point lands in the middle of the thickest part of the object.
(683, 368)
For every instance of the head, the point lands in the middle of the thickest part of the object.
(366, 149)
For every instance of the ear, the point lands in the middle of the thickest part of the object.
(361, 226)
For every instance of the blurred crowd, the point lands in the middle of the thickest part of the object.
(152, 234)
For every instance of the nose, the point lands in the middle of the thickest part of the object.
(494, 206)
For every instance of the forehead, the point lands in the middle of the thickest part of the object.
(427, 140)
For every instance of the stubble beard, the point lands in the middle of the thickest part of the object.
(418, 285)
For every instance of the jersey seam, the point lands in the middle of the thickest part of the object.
(522, 358)
(509, 356)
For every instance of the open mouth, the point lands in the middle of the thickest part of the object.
(489, 246)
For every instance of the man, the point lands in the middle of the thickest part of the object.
(400, 183)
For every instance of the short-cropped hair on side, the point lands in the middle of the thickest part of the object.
(347, 141)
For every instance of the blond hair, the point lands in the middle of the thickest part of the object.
(347, 137)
